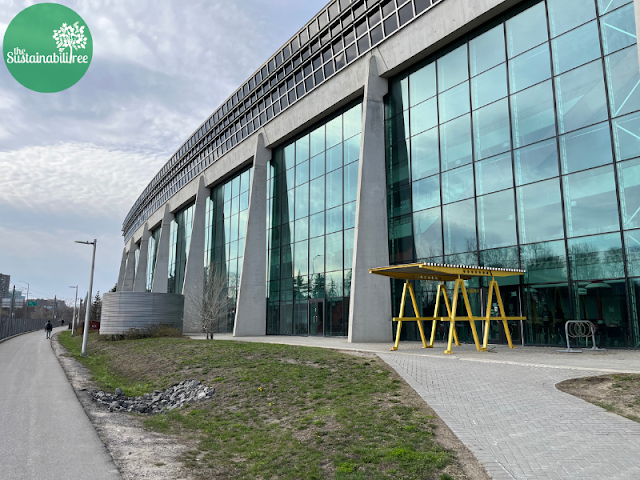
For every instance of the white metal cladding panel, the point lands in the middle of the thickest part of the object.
(122, 311)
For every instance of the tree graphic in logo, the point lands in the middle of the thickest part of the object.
(71, 37)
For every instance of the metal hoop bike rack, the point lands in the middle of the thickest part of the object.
(580, 329)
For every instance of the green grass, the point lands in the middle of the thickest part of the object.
(279, 411)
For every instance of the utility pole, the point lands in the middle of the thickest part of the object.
(13, 302)
(85, 334)
(55, 308)
(26, 308)
(73, 318)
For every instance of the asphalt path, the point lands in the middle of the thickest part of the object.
(44, 432)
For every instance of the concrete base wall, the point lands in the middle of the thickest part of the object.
(122, 311)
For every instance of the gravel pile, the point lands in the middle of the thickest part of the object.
(160, 401)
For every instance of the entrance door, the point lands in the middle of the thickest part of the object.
(316, 317)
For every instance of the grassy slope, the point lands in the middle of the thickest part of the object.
(279, 411)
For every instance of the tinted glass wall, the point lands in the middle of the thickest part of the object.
(518, 147)
(226, 227)
(312, 185)
(152, 253)
(179, 242)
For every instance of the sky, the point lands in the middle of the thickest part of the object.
(73, 163)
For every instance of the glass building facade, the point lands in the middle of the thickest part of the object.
(312, 187)
(226, 227)
(518, 147)
(179, 243)
(152, 253)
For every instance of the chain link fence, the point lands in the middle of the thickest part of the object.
(14, 326)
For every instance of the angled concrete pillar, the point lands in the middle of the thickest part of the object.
(123, 266)
(130, 271)
(194, 270)
(140, 284)
(251, 309)
(370, 304)
(161, 272)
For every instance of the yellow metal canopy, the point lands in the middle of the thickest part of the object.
(442, 272)
(458, 274)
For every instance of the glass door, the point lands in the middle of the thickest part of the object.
(316, 317)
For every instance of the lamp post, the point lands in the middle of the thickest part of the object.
(73, 318)
(88, 305)
(26, 308)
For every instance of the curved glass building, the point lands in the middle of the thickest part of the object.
(498, 133)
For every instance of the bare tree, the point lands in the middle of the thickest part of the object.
(212, 310)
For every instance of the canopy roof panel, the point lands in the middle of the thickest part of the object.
(442, 272)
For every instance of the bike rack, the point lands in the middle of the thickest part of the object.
(580, 329)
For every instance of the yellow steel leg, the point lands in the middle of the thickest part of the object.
(504, 317)
(452, 321)
(487, 322)
(415, 309)
(436, 311)
(402, 302)
(472, 323)
(395, 347)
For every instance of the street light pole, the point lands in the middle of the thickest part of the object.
(73, 319)
(88, 305)
(26, 309)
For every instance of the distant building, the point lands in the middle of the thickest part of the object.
(19, 300)
(4, 285)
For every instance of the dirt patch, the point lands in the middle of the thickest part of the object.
(618, 393)
(136, 452)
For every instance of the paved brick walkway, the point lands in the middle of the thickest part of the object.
(504, 406)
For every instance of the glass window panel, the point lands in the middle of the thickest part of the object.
(606, 6)
(591, 205)
(532, 115)
(424, 116)
(497, 220)
(426, 193)
(334, 132)
(401, 240)
(244, 201)
(629, 184)
(427, 231)
(469, 258)
(540, 211)
(530, 68)
(317, 141)
(425, 154)
(333, 256)
(302, 201)
(489, 87)
(352, 121)
(455, 142)
(234, 228)
(352, 149)
(457, 184)
(302, 149)
(618, 29)
(350, 182)
(290, 178)
(453, 103)
(302, 229)
(397, 157)
(459, 227)
(301, 258)
(494, 174)
(596, 257)
(316, 255)
(487, 50)
(245, 181)
(576, 48)
(536, 162)
(581, 97)
(317, 166)
(334, 189)
(422, 84)
(316, 195)
(453, 68)
(565, 15)
(334, 220)
(544, 263)
(623, 79)
(316, 225)
(527, 29)
(398, 98)
(334, 157)
(590, 147)
(399, 201)
(397, 128)
(491, 130)
(235, 205)
(302, 173)
(632, 247)
(350, 215)
(348, 250)
(333, 287)
(288, 157)
(626, 136)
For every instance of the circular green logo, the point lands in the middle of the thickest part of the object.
(47, 47)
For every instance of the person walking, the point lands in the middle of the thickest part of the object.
(48, 327)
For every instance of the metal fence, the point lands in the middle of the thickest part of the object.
(14, 326)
